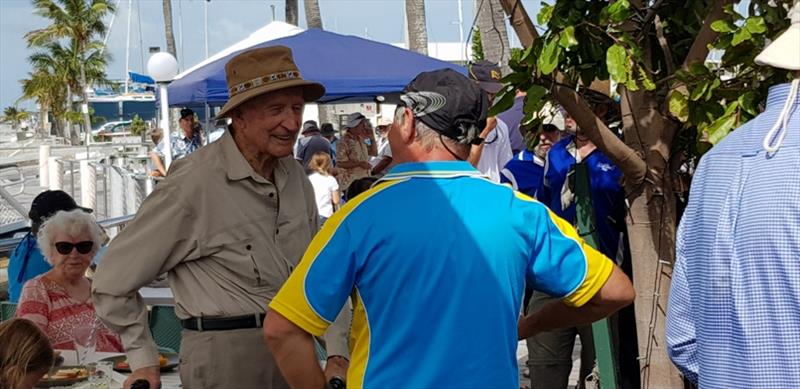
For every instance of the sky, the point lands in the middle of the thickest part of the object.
(228, 22)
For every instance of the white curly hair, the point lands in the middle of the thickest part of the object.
(75, 222)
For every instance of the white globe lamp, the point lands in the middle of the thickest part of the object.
(163, 67)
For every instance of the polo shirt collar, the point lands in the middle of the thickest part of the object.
(237, 167)
(433, 169)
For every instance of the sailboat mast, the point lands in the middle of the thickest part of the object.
(128, 46)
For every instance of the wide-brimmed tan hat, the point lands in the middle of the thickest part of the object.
(784, 52)
(263, 70)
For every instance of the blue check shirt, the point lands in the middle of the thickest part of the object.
(733, 318)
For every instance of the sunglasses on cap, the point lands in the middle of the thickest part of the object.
(65, 248)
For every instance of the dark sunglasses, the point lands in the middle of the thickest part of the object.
(65, 248)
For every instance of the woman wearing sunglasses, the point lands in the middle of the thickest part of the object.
(61, 300)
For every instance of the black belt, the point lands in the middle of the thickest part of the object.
(223, 323)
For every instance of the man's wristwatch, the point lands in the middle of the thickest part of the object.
(337, 383)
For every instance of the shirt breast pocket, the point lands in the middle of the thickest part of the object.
(241, 259)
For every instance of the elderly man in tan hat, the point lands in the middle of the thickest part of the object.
(228, 225)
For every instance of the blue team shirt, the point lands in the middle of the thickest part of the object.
(524, 173)
(608, 196)
(435, 258)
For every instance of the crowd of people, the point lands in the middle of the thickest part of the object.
(417, 254)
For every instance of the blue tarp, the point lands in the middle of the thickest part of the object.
(351, 68)
(141, 78)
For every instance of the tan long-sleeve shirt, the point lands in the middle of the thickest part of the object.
(227, 237)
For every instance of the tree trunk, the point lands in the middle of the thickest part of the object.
(417, 29)
(291, 12)
(87, 121)
(494, 37)
(313, 16)
(651, 223)
(167, 7)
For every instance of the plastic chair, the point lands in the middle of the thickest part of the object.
(165, 327)
(7, 310)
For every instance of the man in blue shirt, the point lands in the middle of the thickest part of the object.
(733, 319)
(183, 142)
(525, 171)
(437, 279)
(26, 260)
(550, 353)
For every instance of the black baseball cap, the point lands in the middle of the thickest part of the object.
(448, 103)
(49, 202)
(487, 75)
(186, 112)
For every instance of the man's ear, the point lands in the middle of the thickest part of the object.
(236, 118)
(407, 129)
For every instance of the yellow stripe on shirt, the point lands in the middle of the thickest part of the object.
(291, 301)
(598, 266)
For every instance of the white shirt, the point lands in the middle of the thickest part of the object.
(496, 151)
(323, 187)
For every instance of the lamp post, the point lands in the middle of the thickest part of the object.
(163, 67)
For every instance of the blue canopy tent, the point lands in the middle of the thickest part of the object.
(351, 68)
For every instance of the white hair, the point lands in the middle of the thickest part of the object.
(75, 222)
(429, 138)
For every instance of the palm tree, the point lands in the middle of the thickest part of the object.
(64, 64)
(79, 21)
(15, 116)
(417, 29)
(494, 37)
(313, 16)
(170, 34)
(291, 12)
(47, 89)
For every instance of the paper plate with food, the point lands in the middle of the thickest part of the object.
(167, 361)
(63, 376)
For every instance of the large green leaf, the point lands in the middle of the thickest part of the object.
(755, 25)
(616, 12)
(566, 38)
(534, 99)
(711, 88)
(723, 26)
(544, 14)
(679, 106)
(748, 102)
(740, 36)
(647, 83)
(503, 101)
(722, 126)
(548, 59)
(617, 62)
(699, 90)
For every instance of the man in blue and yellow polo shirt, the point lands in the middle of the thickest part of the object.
(435, 257)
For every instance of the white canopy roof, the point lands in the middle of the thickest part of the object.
(272, 31)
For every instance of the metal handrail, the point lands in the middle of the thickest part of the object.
(61, 147)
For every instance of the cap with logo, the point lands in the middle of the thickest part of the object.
(487, 75)
(448, 103)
